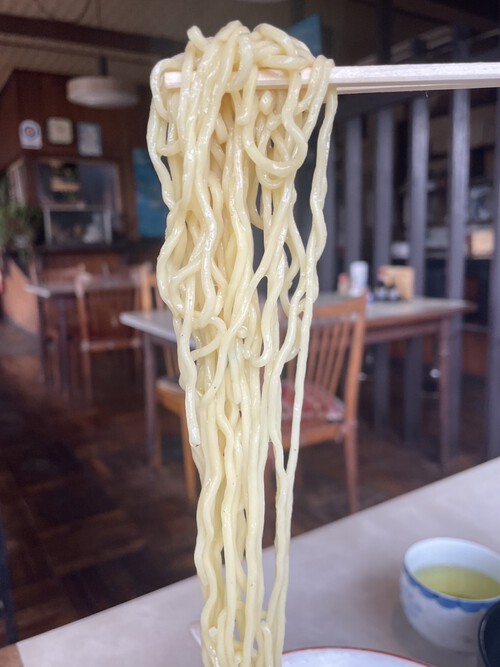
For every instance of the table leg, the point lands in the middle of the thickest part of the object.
(149, 394)
(381, 386)
(42, 341)
(63, 346)
(413, 376)
(449, 397)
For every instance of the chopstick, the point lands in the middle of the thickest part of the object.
(389, 78)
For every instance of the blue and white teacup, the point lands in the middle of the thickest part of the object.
(447, 585)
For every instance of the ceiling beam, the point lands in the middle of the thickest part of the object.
(442, 13)
(62, 31)
(438, 13)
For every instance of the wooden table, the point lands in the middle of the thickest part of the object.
(344, 588)
(385, 322)
(410, 320)
(61, 294)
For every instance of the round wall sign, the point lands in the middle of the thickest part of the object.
(30, 134)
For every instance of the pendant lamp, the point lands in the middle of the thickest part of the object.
(101, 91)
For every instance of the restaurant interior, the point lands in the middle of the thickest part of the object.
(98, 489)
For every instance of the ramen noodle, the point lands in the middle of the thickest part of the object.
(227, 152)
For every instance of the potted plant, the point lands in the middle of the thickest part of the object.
(19, 227)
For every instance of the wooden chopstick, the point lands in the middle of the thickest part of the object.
(389, 78)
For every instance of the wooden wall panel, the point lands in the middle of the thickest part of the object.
(9, 145)
(38, 96)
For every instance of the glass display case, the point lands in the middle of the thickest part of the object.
(72, 226)
(80, 200)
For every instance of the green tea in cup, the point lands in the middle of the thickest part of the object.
(459, 582)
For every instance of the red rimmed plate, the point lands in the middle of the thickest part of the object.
(345, 657)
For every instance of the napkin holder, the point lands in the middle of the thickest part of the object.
(400, 277)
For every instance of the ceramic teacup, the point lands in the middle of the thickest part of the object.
(447, 585)
(489, 638)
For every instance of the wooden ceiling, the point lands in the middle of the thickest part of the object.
(69, 37)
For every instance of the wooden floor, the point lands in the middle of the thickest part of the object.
(89, 525)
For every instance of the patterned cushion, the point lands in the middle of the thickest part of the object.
(318, 403)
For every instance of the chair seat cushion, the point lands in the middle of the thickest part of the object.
(318, 403)
(169, 384)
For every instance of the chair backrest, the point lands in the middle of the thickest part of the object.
(100, 300)
(336, 350)
(51, 313)
(65, 274)
(151, 300)
(150, 296)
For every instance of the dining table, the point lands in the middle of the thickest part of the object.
(343, 588)
(61, 294)
(385, 322)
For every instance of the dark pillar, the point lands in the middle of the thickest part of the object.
(419, 165)
(353, 190)
(493, 379)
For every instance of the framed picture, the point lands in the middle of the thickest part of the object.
(59, 131)
(89, 139)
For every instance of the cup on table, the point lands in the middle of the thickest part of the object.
(358, 276)
(447, 585)
(489, 638)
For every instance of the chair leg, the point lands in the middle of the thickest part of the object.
(5, 593)
(138, 363)
(87, 375)
(351, 467)
(52, 356)
(190, 471)
(157, 459)
(74, 361)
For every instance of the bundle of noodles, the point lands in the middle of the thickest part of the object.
(226, 153)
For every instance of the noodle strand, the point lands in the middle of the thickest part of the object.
(227, 155)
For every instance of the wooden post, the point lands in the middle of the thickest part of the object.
(353, 191)
(458, 192)
(384, 30)
(327, 266)
(493, 379)
(382, 234)
(382, 231)
(419, 165)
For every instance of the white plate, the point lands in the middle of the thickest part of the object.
(344, 657)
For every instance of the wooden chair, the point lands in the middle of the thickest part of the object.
(50, 315)
(329, 411)
(151, 300)
(66, 274)
(335, 354)
(168, 392)
(100, 300)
